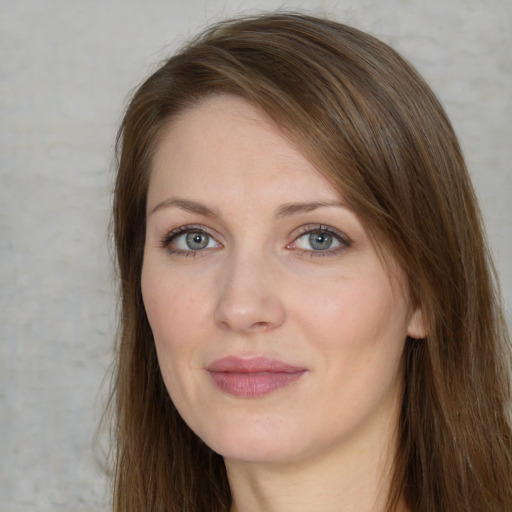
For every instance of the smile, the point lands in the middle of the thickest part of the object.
(254, 377)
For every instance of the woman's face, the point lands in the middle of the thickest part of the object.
(279, 332)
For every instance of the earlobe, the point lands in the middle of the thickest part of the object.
(417, 327)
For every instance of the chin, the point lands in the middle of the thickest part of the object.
(256, 442)
(254, 452)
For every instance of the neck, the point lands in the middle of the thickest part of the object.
(354, 478)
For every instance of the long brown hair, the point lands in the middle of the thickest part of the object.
(369, 122)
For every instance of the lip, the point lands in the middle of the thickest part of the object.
(252, 377)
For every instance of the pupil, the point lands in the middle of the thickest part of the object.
(196, 241)
(320, 241)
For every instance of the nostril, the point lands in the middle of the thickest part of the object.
(260, 325)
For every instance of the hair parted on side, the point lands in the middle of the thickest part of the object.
(370, 124)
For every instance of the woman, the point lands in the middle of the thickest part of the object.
(309, 317)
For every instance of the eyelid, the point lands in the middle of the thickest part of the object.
(182, 230)
(344, 240)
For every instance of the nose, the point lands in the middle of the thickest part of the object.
(248, 299)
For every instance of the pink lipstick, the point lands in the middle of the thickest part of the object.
(252, 377)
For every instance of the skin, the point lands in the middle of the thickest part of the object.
(259, 288)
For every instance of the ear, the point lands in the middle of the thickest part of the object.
(417, 327)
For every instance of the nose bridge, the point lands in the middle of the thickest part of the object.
(248, 298)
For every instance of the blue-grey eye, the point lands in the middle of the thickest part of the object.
(196, 241)
(320, 241)
(193, 241)
(317, 241)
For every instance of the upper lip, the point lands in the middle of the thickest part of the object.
(236, 364)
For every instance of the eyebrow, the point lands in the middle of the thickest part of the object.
(296, 208)
(284, 210)
(187, 205)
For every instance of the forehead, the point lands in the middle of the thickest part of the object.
(224, 145)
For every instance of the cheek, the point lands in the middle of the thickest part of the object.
(172, 317)
(362, 332)
(359, 327)
(354, 310)
(173, 307)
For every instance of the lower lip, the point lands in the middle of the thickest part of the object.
(253, 384)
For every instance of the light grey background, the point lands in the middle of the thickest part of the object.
(66, 71)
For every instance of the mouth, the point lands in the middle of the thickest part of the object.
(252, 377)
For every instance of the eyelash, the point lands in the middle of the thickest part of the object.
(320, 229)
(343, 240)
(175, 233)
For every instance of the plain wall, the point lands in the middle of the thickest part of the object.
(66, 72)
